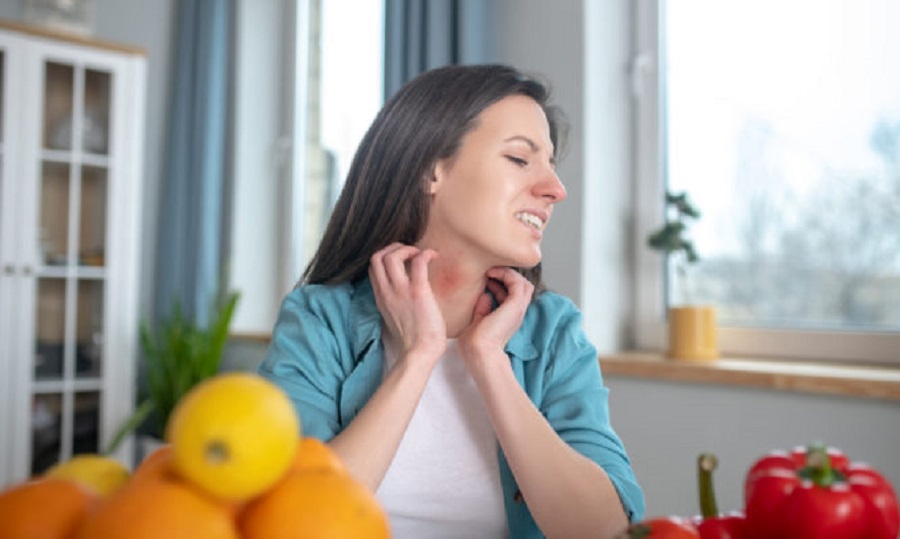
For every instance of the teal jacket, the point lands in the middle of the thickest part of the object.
(326, 354)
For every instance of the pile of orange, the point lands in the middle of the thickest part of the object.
(236, 467)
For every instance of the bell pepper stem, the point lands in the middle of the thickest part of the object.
(706, 463)
(818, 467)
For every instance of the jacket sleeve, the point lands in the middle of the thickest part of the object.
(304, 359)
(576, 404)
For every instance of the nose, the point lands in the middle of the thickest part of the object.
(550, 187)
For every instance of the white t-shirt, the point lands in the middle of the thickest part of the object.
(444, 481)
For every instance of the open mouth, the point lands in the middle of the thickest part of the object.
(531, 220)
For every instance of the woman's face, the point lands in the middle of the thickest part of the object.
(492, 200)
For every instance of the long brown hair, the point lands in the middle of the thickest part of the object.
(385, 198)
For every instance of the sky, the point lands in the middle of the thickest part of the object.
(818, 73)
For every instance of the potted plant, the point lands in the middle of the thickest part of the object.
(692, 328)
(178, 355)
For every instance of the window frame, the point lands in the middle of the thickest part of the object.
(650, 329)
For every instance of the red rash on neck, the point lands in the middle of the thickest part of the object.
(445, 282)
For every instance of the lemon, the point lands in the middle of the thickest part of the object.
(103, 475)
(234, 435)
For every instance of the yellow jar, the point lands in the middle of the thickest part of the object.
(692, 333)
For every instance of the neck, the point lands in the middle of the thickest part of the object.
(457, 288)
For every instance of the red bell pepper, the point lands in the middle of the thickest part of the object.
(710, 523)
(818, 492)
(882, 511)
(661, 528)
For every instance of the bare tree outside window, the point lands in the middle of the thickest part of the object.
(792, 147)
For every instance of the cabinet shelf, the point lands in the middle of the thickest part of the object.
(78, 272)
(49, 387)
(69, 157)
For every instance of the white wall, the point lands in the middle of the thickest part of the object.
(545, 38)
(147, 25)
(13, 11)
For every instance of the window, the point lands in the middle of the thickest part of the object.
(308, 85)
(782, 122)
(343, 93)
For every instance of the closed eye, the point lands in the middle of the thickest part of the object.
(517, 160)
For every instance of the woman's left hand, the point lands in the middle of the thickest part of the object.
(491, 330)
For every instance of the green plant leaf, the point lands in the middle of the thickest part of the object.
(138, 417)
(218, 332)
(179, 354)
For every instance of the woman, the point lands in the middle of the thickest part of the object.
(420, 342)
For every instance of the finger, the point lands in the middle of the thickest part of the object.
(378, 272)
(505, 275)
(380, 253)
(394, 263)
(515, 283)
(497, 289)
(482, 308)
(419, 268)
(376, 261)
(521, 288)
(385, 262)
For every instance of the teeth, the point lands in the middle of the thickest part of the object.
(530, 220)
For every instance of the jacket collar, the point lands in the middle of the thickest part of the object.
(521, 345)
(365, 320)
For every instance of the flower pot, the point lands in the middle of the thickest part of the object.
(692, 333)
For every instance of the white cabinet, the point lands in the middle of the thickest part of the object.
(71, 138)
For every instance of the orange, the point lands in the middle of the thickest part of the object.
(155, 465)
(234, 435)
(315, 505)
(46, 508)
(158, 506)
(314, 455)
(158, 466)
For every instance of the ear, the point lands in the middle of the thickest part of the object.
(438, 176)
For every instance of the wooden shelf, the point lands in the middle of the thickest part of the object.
(784, 375)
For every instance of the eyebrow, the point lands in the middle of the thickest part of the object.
(531, 144)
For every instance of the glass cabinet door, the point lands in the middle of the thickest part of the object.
(71, 145)
(70, 287)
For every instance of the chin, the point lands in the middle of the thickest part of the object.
(523, 255)
(526, 261)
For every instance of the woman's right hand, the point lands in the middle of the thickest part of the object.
(403, 294)
(415, 333)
